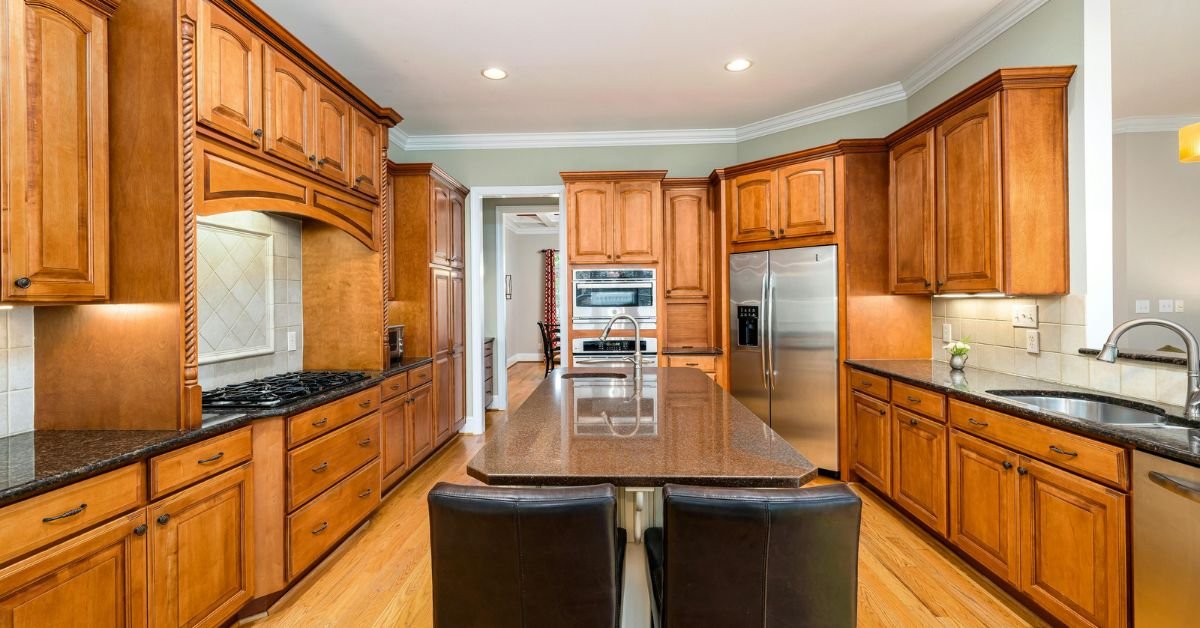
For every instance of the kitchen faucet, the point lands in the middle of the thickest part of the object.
(637, 342)
(1109, 354)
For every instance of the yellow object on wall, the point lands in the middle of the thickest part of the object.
(1189, 143)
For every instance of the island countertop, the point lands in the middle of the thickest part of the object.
(678, 427)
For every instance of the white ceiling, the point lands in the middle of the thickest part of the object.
(1155, 61)
(621, 64)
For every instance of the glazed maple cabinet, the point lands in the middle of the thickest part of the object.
(872, 441)
(687, 266)
(919, 467)
(614, 217)
(792, 201)
(54, 147)
(979, 189)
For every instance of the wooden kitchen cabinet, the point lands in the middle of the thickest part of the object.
(919, 467)
(983, 504)
(1074, 546)
(806, 199)
(421, 427)
(637, 223)
(589, 213)
(687, 243)
(332, 135)
(201, 558)
(288, 99)
(871, 432)
(442, 252)
(614, 217)
(458, 229)
(366, 143)
(55, 147)
(228, 76)
(752, 207)
(967, 155)
(913, 225)
(97, 578)
(394, 430)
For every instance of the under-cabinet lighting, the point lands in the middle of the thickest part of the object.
(1189, 143)
(6, 307)
(496, 74)
(739, 65)
(980, 295)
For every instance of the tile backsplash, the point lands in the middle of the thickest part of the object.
(16, 370)
(250, 298)
(998, 346)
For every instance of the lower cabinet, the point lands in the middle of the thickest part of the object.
(97, 578)
(983, 503)
(394, 453)
(420, 419)
(872, 441)
(408, 432)
(200, 557)
(919, 467)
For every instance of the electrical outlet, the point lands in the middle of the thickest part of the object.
(1166, 305)
(1141, 306)
(1178, 305)
(1033, 343)
(1025, 316)
(947, 333)
(291, 336)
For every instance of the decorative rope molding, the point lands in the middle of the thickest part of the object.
(191, 352)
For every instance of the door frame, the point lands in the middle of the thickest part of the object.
(476, 298)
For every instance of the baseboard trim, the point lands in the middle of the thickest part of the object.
(524, 357)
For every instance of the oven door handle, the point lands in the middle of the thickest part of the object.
(616, 285)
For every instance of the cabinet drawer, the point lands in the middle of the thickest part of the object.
(314, 529)
(395, 385)
(41, 520)
(173, 471)
(927, 402)
(420, 375)
(1080, 454)
(869, 383)
(308, 425)
(323, 462)
(706, 363)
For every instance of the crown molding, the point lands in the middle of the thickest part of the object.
(570, 140)
(398, 138)
(869, 99)
(1152, 124)
(998, 20)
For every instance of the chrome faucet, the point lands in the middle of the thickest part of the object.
(1109, 354)
(637, 342)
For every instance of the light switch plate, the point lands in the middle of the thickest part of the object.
(1178, 305)
(1025, 316)
(1166, 305)
(1141, 306)
(291, 336)
(1033, 343)
(947, 332)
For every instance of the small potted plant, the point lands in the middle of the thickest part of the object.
(958, 353)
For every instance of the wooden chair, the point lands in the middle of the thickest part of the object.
(550, 345)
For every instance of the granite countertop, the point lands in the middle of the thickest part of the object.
(683, 429)
(690, 351)
(1180, 441)
(1157, 357)
(42, 460)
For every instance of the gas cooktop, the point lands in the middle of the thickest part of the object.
(277, 390)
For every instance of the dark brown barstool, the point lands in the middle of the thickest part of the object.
(525, 557)
(755, 557)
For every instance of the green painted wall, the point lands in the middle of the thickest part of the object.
(875, 122)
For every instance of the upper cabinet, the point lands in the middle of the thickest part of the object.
(791, 201)
(288, 96)
(229, 92)
(752, 207)
(366, 141)
(614, 217)
(687, 242)
(427, 224)
(333, 136)
(978, 190)
(54, 149)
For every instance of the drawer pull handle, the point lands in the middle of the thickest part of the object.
(321, 528)
(692, 363)
(320, 422)
(364, 442)
(365, 404)
(66, 515)
(865, 384)
(1006, 464)
(211, 459)
(395, 386)
(912, 399)
(972, 421)
(1064, 452)
(320, 468)
(1022, 470)
(366, 493)
(912, 421)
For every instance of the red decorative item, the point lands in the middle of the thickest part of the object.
(550, 294)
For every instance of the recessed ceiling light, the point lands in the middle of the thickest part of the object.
(739, 65)
(495, 74)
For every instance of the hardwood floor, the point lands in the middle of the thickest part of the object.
(381, 576)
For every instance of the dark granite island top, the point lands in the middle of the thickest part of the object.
(682, 428)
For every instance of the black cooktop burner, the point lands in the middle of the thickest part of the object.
(277, 390)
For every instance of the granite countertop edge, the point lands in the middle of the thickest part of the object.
(220, 423)
(724, 481)
(1145, 439)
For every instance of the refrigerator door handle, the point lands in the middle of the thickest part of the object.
(771, 327)
(763, 330)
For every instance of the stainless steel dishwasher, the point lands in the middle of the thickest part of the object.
(1166, 542)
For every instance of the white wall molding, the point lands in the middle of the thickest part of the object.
(1152, 124)
(398, 138)
(886, 94)
(571, 140)
(998, 20)
(525, 357)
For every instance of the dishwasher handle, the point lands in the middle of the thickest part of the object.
(1179, 486)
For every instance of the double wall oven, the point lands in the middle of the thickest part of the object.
(601, 293)
(616, 352)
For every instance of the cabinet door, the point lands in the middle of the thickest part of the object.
(589, 230)
(288, 105)
(458, 365)
(689, 325)
(457, 229)
(98, 577)
(637, 221)
(872, 441)
(459, 390)
(1073, 546)
(442, 311)
(687, 245)
(421, 427)
(968, 199)
(201, 561)
(228, 76)
(444, 404)
(394, 428)
(919, 467)
(332, 135)
(442, 232)
(55, 152)
(806, 198)
(365, 156)
(983, 503)
(911, 205)
(752, 206)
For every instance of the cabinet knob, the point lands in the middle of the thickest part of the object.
(1022, 470)
(1006, 464)
(140, 530)
(23, 282)
(926, 283)
(258, 133)
(312, 157)
(912, 421)
(360, 178)
(163, 519)
(321, 162)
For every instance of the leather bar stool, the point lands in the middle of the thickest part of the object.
(768, 558)
(525, 557)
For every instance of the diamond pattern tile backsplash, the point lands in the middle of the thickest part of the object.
(249, 280)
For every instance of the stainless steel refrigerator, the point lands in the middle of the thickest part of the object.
(784, 340)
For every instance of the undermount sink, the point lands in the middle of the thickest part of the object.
(594, 376)
(1092, 408)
